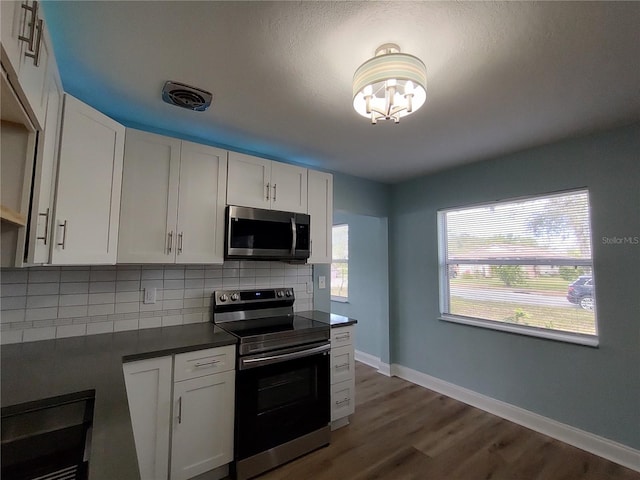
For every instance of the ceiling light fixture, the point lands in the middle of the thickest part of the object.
(390, 85)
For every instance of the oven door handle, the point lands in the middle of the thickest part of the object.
(283, 357)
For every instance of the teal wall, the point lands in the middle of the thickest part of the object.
(595, 389)
(368, 282)
(364, 206)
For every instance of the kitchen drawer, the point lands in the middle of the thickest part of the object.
(343, 399)
(342, 364)
(342, 336)
(203, 362)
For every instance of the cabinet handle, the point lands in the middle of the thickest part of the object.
(342, 366)
(342, 337)
(342, 402)
(268, 188)
(179, 410)
(180, 242)
(64, 234)
(32, 32)
(46, 226)
(274, 191)
(205, 364)
(169, 242)
(36, 54)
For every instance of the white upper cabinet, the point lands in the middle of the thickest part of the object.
(149, 203)
(172, 201)
(321, 212)
(260, 183)
(26, 50)
(40, 237)
(89, 182)
(201, 195)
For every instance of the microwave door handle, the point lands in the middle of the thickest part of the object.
(294, 239)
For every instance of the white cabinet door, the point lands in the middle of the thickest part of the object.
(89, 183)
(149, 202)
(148, 385)
(289, 188)
(260, 183)
(12, 16)
(320, 207)
(34, 66)
(249, 182)
(202, 193)
(40, 236)
(202, 438)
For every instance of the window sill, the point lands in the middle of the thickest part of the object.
(567, 337)
(339, 299)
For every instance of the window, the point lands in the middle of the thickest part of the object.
(523, 266)
(340, 263)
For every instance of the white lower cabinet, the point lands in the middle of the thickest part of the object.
(148, 385)
(343, 378)
(202, 424)
(182, 410)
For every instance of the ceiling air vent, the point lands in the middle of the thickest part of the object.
(186, 96)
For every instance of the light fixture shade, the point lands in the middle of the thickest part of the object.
(389, 85)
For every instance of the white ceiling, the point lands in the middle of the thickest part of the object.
(502, 76)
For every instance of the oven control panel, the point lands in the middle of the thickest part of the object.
(240, 297)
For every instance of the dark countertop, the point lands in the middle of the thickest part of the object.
(39, 370)
(330, 318)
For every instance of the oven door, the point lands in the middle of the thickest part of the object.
(281, 396)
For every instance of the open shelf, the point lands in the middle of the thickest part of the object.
(12, 216)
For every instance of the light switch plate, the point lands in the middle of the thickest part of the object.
(149, 295)
(322, 282)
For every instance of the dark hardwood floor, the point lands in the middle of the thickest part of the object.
(401, 431)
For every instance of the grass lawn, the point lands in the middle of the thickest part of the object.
(570, 319)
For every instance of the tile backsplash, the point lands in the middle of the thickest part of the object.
(42, 303)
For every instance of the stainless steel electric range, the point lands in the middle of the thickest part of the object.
(282, 378)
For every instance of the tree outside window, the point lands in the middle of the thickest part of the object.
(340, 263)
(521, 265)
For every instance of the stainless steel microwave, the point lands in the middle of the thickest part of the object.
(257, 234)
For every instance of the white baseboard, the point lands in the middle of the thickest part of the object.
(616, 452)
(372, 361)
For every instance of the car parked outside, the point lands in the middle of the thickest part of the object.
(581, 292)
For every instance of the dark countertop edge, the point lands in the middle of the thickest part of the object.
(332, 319)
(176, 350)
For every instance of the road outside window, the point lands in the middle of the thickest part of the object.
(340, 263)
(522, 266)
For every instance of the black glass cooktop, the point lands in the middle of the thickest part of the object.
(272, 326)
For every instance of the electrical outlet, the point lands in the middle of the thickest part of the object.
(150, 295)
(322, 282)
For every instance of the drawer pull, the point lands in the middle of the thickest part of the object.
(179, 410)
(46, 226)
(206, 364)
(342, 402)
(342, 337)
(344, 365)
(36, 55)
(64, 234)
(32, 25)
